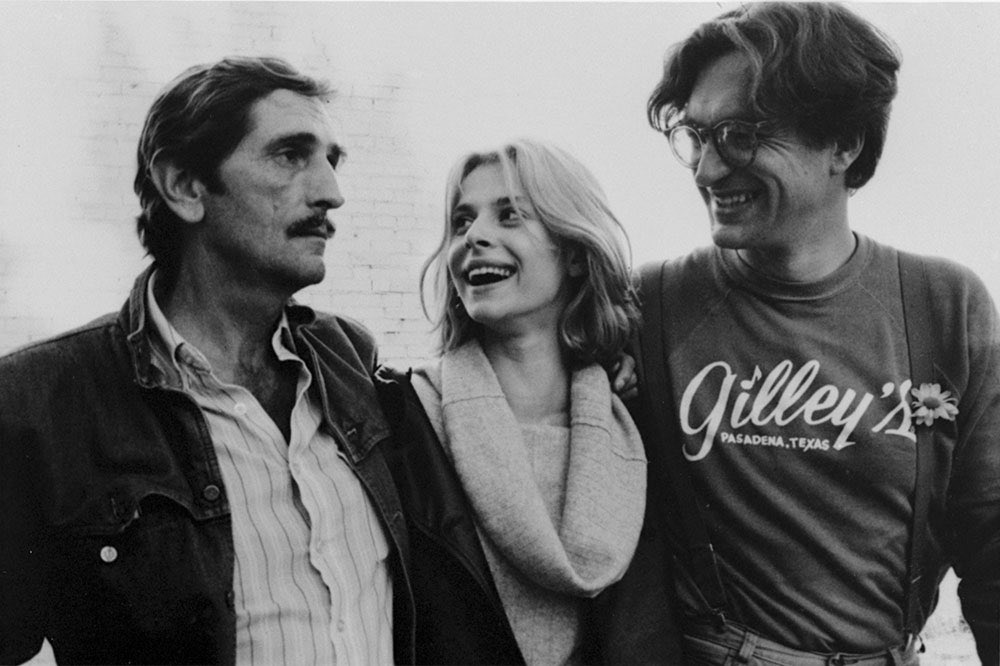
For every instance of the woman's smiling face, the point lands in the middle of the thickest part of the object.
(507, 269)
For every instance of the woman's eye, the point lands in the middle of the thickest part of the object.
(460, 223)
(510, 214)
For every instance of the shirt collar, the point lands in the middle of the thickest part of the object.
(171, 350)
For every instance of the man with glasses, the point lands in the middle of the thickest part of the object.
(820, 410)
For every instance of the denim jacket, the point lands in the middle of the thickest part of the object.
(115, 533)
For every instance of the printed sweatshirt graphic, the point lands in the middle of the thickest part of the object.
(786, 398)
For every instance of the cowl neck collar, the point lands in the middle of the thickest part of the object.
(589, 544)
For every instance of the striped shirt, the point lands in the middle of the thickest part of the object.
(311, 580)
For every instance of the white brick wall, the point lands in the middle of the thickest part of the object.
(69, 253)
(420, 83)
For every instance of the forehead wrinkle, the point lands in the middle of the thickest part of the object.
(285, 111)
(727, 98)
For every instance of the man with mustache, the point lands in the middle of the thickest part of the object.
(196, 479)
(823, 408)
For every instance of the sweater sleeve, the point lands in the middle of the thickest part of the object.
(973, 498)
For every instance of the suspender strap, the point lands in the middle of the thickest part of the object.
(917, 317)
(658, 405)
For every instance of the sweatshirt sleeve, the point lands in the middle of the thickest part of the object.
(973, 496)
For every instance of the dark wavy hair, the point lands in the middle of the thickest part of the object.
(197, 121)
(603, 310)
(816, 68)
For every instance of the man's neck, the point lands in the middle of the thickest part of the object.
(233, 329)
(231, 325)
(807, 261)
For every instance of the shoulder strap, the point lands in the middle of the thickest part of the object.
(919, 326)
(657, 402)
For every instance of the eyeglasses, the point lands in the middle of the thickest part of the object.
(736, 142)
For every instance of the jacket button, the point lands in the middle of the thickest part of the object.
(109, 554)
(211, 492)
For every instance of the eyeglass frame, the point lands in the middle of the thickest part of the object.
(705, 134)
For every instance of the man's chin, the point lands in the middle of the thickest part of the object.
(727, 237)
(306, 277)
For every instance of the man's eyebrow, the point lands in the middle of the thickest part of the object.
(684, 119)
(298, 139)
(335, 153)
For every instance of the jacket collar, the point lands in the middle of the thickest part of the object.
(133, 321)
(346, 390)
(343, 380)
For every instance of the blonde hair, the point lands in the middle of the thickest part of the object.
(571, 205)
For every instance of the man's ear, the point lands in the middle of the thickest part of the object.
(845, 151)
(180, 189)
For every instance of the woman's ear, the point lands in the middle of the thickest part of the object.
(180, 188)
(845, 151)
(576, 264)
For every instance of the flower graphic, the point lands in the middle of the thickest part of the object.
(932, 403)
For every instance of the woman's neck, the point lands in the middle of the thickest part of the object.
(533, 376)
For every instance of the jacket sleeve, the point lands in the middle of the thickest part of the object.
(636, 620)
(973, 496)
(22, 586)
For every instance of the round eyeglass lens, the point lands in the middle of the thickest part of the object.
(686, 145)
(738, 144)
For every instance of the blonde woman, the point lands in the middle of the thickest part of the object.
(521, 473)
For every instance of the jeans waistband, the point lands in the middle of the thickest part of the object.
(734, 644)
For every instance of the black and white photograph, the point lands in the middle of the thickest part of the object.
(367, 332)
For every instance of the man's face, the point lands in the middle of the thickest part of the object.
(783, 201)
(268, 225)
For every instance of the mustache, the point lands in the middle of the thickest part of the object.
(308, 226)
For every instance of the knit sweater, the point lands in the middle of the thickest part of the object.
(558, 509)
